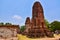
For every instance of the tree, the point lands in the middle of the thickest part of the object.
(22, 28)
(55, 25)
(47, 23)
(1, 23)
(8, 24)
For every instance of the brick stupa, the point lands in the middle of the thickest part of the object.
(35, 27)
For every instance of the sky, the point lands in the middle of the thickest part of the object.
(16, 11)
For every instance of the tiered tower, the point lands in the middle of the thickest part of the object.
(36, 26)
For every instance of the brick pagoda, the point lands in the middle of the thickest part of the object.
(35, 27)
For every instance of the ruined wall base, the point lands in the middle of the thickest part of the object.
(12, 38)
(35, 33)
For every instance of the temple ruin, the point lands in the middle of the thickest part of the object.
(9, 32)
(36, 27)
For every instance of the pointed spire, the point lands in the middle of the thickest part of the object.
(27, 20)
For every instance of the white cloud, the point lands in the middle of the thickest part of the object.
(17, 17)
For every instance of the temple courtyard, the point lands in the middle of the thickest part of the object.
(22, 37)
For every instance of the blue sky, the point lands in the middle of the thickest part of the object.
(16, 11)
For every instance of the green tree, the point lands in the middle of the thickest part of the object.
(47, 23)
(55, 25)
(22, 28)
(8, 24)
(1, 23)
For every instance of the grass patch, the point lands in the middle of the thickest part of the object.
(23, 37)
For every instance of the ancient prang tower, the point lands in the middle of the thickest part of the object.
(35, 27)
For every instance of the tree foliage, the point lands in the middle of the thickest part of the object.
(47, 23)
(8, 24)
(55, 25)
(22, 28)
(5, 23)
(1, 23)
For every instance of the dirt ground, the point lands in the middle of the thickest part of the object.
(21, 37)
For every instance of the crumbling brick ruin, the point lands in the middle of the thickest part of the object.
(9, 32)
(35, 27)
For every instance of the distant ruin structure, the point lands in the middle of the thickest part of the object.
(9, 32)
(35, 27)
